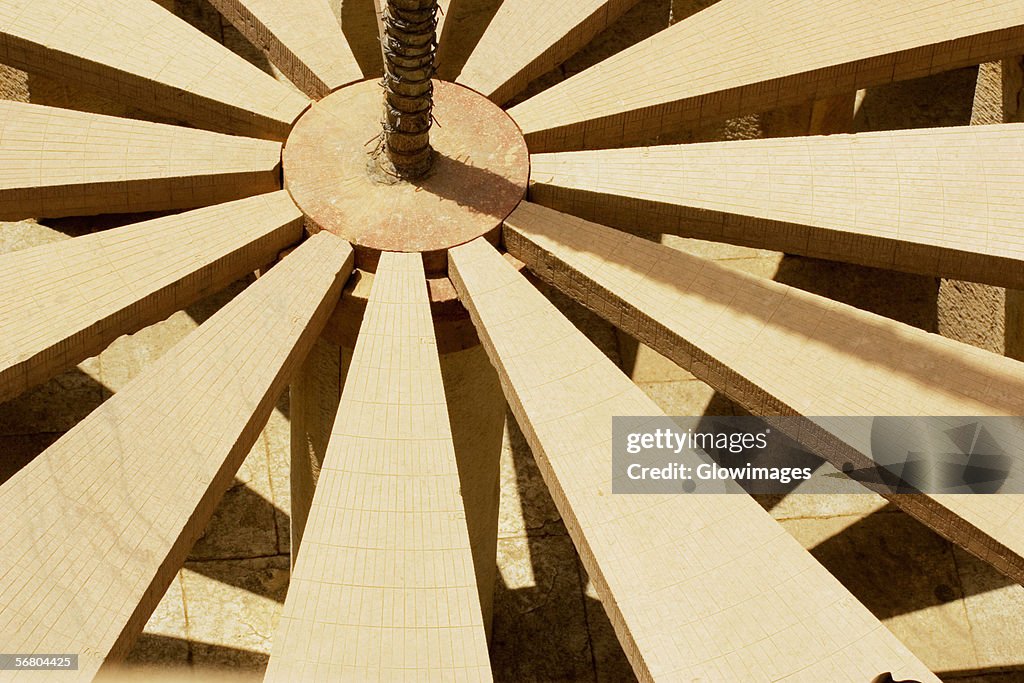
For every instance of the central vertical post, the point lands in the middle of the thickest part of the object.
(410, 41)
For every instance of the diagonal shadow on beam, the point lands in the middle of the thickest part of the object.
(359, 24)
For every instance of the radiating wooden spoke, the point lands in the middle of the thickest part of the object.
(56, 162)
(384, 586)
(139, 53)
(64, 302)
(115, 505)
(378, 15)
(361, 29)
(444, 29)
(696, 586)
(777, 350)
(302, 38)
(942, 202)
(526, 39)
(742, 56)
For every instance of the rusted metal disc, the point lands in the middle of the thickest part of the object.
(480, 172)
(452, 324)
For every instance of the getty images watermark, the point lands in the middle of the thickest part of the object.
(777, 455)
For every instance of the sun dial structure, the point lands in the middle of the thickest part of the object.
(479, 174)
(390, 579)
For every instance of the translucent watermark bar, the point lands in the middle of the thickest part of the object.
(38, 662)
(781, 455)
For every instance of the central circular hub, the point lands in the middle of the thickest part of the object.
(480, 172)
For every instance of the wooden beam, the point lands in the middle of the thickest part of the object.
(942, 202)
(777, 350)
(705, 587)
(384, 585)
(62, 303)
(744, 56)
(97, 525)
(527, 39)
(137, 52)
(58, 162)
(302, 38)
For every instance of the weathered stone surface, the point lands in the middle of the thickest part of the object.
(233, 607)
(276, 437)
(13, 84)
(973, 313)
(526, 505)
(164, 641)
(995, 616)
(540, 627)
(244, 523)
(904, 573)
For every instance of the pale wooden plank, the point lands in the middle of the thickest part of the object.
(528, 38)
(137, 52)
(96, 527)
(744, 56)
(777, 350)
(705, 587)
(302, 38)
(57, 162)
(943, 202)
(62, 303)
(384, 586)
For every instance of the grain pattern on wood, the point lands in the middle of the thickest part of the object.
(744, 56)
(138, 53)
(302, 38)
(62, 303)
(118, 501)
(943, 202)
(57, 162)
(384, 585)
(777, 350)
(527, 39)
(696, 586)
